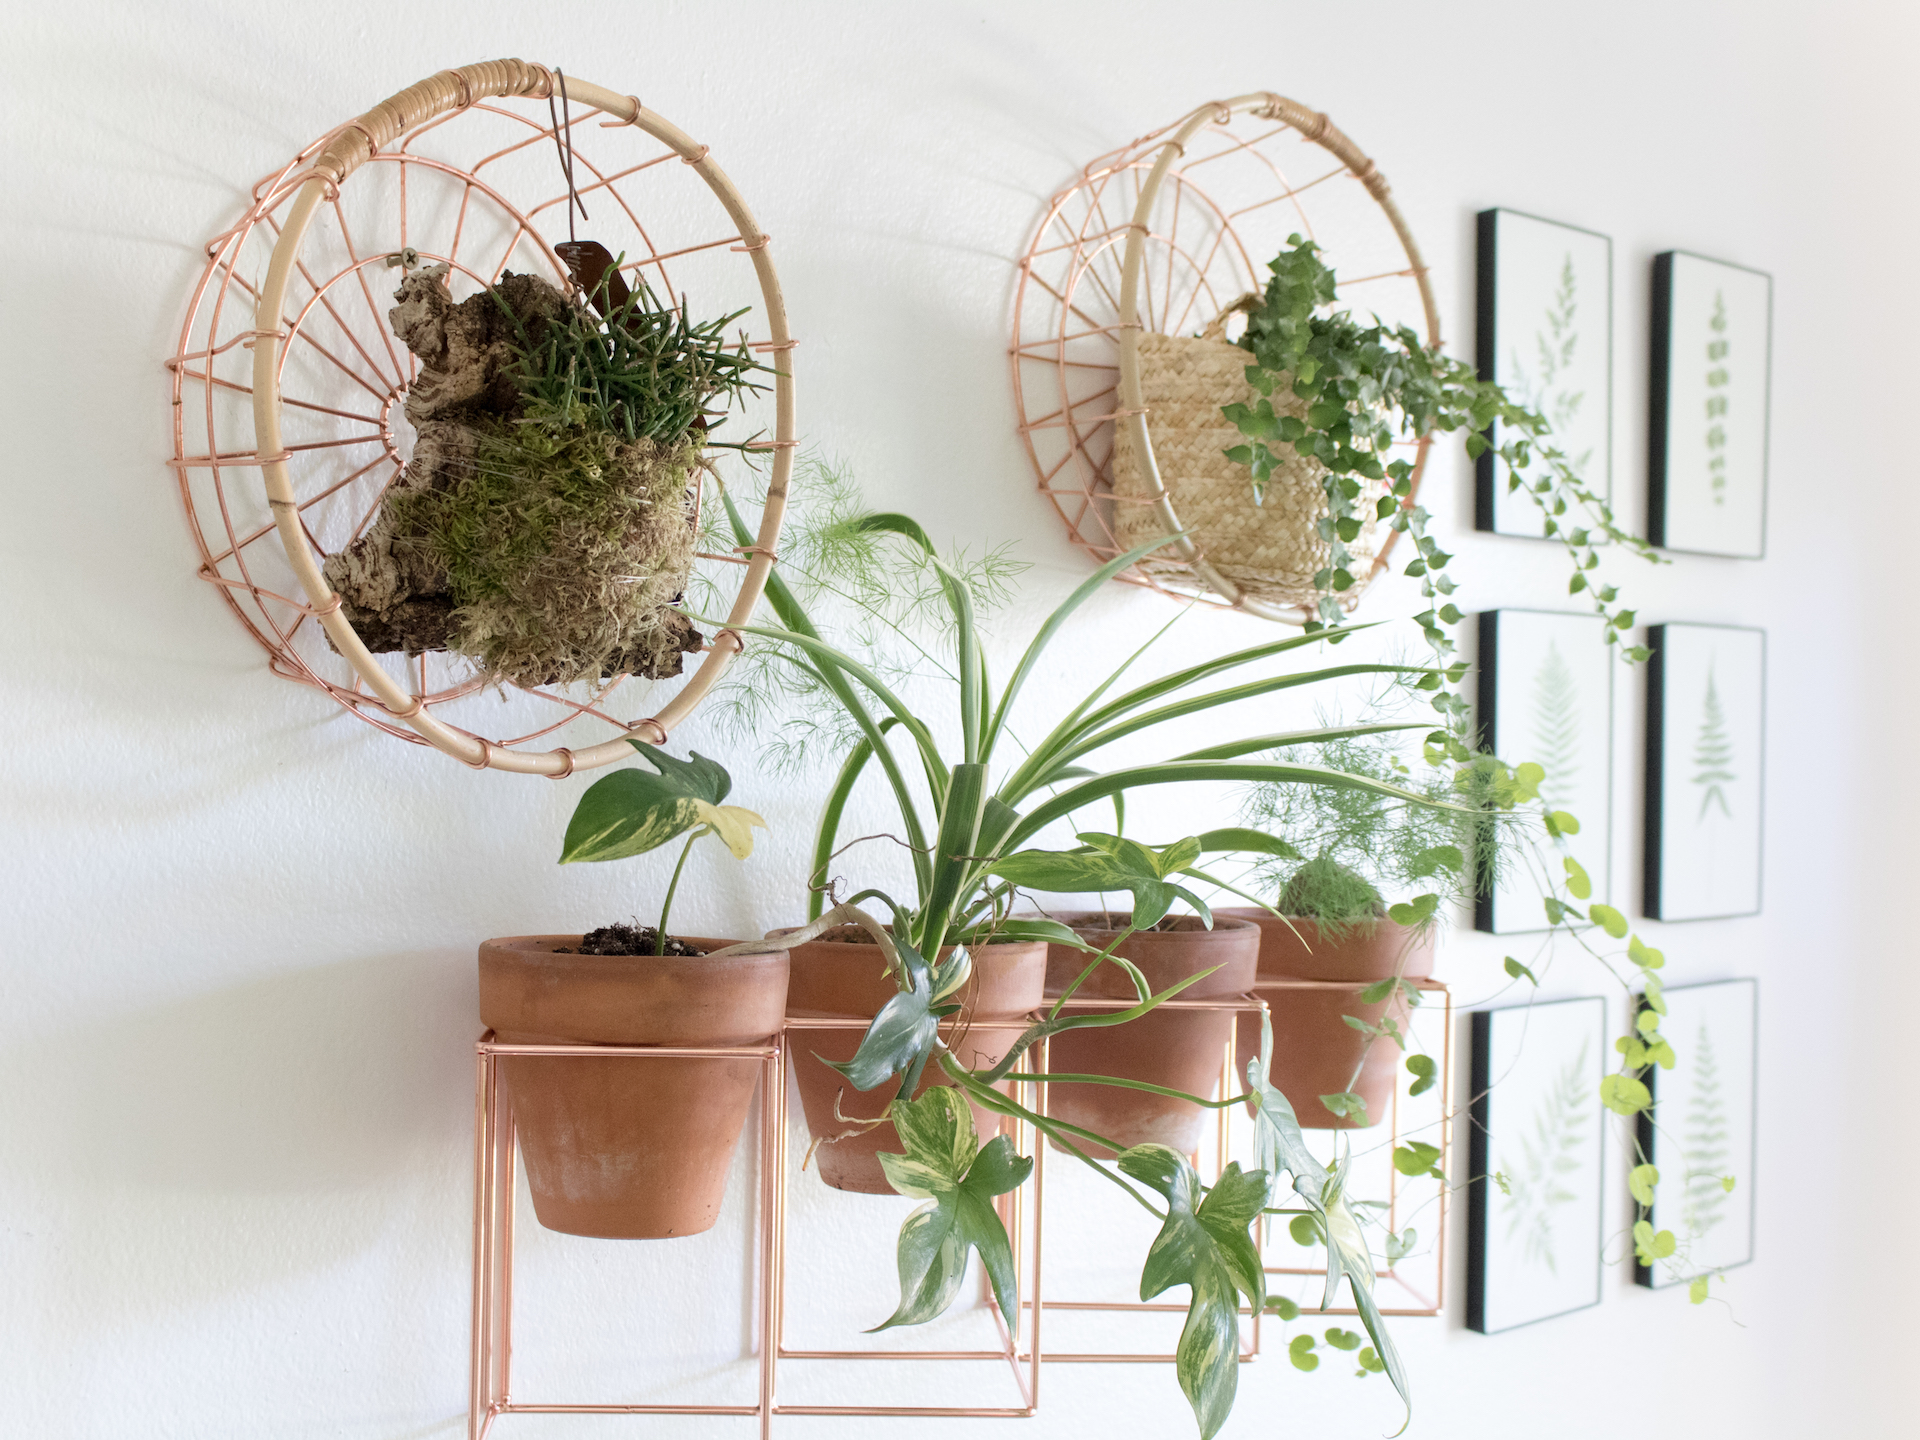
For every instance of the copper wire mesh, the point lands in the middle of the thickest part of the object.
(461, 169)
(1224, 188)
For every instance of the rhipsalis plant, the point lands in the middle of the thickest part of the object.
(1369, 386)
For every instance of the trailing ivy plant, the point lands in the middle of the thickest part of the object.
(1367, 386)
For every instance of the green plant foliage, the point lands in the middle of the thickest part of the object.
(633, 811)
(1365, 386)
(945, 1165)
(1300, 1352)
(645, 371)
(902, 1036)
(1205, 1244)
(1416, 1157)
(1425, 1074)
(1110, 862)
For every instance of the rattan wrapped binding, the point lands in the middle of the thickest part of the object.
(1271, 550)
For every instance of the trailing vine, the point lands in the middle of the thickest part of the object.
(1367, 386)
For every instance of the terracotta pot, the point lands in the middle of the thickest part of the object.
(848, 981)
(628, 1149)
(1180, 1049)
(1315, 1052)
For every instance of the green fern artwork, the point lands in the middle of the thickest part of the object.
(1555, 346)
(1717, 381)
(1556, 729)
(1704, 1141)
(1713, 755)
(1537, 1182)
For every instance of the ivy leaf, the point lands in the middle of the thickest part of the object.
(1300, 1352)
(1401, 1245)
(1697, 1291)
(1648, 1246)
(1425, 1074)
(1343, 1339)
(1578, 885)
(1624, 1095)
(1608, 919)
(1283, 1307)
(1644, 956)
(1516, 970)
(1563, 822)
(1641, 1181)
(903, 1034)
(1416, 1157)
(1206, 1245)
(945, 1166)
(1347, 1103)
(633, 811)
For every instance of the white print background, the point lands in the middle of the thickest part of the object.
(1530, 257)
(1554, 685)
(1552, 1156)
(1731, 521)
(1704, 1112)
(1710, 825)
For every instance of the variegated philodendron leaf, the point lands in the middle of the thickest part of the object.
(903, 1034)
(1280, 1146)
(946, 1166)
(1207, 1245)
(633, 811)
(1110, 863)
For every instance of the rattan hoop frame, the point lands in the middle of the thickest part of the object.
(386, 702)
(1158, 154)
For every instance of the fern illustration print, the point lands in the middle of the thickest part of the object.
(1705, 1141)
(1717, 383)
(1556, 730)
(1550, 1152)
(1713, 755)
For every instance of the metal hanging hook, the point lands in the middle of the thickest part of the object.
(563, 126)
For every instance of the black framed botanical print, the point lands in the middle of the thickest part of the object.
(1709, 407)
(1706, 752)
(1701, 1132)
(1545, 694)
(1544, 333)
(1535, 1202)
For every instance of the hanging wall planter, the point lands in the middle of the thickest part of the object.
(430, 503)
(1122, 365)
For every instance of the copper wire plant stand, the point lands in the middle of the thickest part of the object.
(491, 1397)
(1164, 234)
(1022, 1210)
(289, 387)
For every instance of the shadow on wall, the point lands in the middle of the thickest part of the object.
(326, 1079)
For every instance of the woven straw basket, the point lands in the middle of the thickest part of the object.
(1269, 550)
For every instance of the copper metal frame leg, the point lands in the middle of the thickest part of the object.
(490, 1360)
(1011, 1350)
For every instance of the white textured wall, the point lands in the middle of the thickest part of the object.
(236, 989)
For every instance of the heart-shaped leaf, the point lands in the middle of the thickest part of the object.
(945, 1165)
(632, 811)
(1207, 1245)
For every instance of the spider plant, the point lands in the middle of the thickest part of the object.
(969, 817)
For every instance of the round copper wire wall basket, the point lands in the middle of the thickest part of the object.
(1165, 234)
(289, 386)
